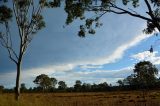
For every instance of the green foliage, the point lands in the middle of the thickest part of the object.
(23, 87)
(45, 82)
(76, 9)
(1, 88)
(102, 86)
(146, 72)
(78, 85)
(86, 87)
(134, 2)
(62, 85)
(54, 82)
(155, 2)
(120, 82)
(145, 75)
(150, 28)
(5, 14)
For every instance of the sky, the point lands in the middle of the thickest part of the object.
(107, 56)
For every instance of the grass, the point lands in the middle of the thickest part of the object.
(127, 98)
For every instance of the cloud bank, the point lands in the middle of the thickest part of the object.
(69, 73)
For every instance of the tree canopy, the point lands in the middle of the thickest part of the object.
(62, 85)
(45, 82)
(77, 9)
(146, 72)
(145, 75)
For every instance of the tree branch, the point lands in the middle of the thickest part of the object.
(10, 56)
(6, 40)
(149, 9)
(17, 19)
(123, 11)
(117, 10)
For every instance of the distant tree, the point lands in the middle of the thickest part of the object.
(78, 8)
(62, 85)
(146, 73)
(23, 87)
(29, 20)
(86, 87)
(1, 88)
(45, 82)
(78, 85)
(103, 86)
(94, 87)
(110, 85)
(30, 89)
(120, 82)
(54, 82)
(157, 85)
(131, 80)
(144, 76)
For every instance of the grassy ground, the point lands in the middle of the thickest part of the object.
(130, 98)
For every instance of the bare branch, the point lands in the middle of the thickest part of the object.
(117, 10)
(149, 9)
(17, 19)
(132, 10)
(10, 56)
(10, 51)
(123, 11)
(7, 40)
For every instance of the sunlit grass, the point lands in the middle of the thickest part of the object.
(130, 98)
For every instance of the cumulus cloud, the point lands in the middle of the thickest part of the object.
(147, 56)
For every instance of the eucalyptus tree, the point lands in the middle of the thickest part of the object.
(78, 8)
(45, 82)
(62, 85)
(29, 20)
(54, 82)
(23, 87)
(78, 85)
(120, 83)
(146, 73)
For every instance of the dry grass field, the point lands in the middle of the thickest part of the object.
(127, 98)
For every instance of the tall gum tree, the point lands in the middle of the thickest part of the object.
(29, 20)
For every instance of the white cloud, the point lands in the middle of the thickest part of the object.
(67, 74)
(146, 55)
(97, 76)
(28, 75)
(48, 69)
(117, 53)
(90, 66)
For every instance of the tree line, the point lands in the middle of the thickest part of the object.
(144, 76)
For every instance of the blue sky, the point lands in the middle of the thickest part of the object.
(108, 55)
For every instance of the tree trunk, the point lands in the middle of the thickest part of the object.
(17, 89)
